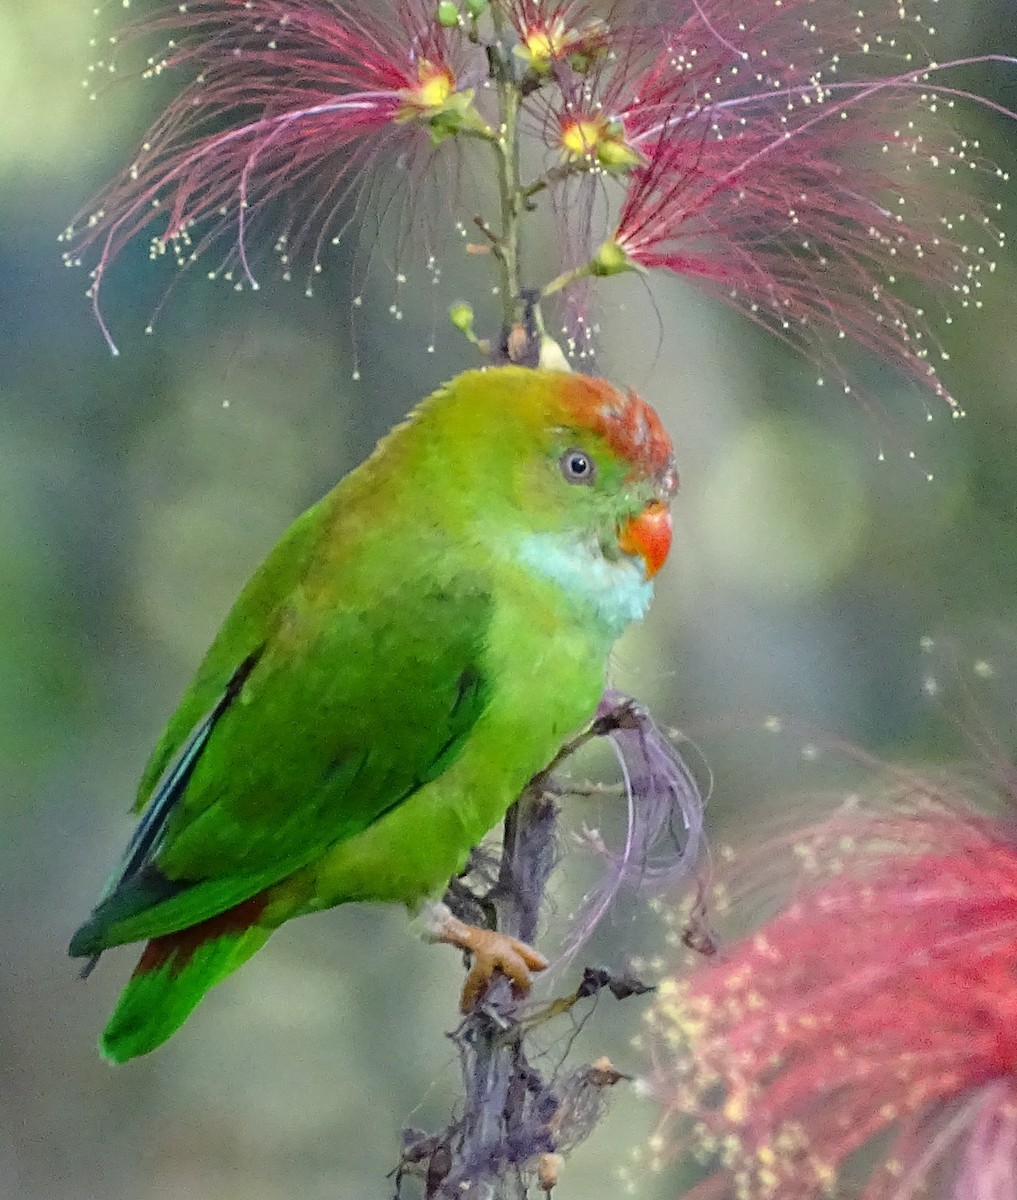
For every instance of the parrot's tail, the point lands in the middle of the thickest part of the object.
(174, 973)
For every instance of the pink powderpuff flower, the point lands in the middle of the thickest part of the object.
(863, 1041)
(289, 104)
(800, 160)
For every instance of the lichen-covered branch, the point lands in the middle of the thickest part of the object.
(514, 1125)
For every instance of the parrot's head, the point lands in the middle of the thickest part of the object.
(570, 477)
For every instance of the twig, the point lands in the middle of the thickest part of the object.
(514, 1124)
(492, 1142)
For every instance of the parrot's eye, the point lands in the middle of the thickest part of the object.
(577, 466)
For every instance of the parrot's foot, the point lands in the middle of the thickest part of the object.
(492, 952)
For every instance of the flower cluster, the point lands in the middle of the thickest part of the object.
(289, 109)
(871, 1021)
(797, 158)
(800, 160)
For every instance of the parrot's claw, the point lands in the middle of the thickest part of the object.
(492, 952)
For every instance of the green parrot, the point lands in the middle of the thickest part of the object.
(417, 646)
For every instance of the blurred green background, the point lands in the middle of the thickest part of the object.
(137, 493)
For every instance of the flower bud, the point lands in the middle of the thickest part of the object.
(610, 259)
(461, 316)
(549, 1171)
(448, 14)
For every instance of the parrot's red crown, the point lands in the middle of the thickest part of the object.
(629, 426)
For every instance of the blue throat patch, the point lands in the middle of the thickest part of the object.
(618, 592)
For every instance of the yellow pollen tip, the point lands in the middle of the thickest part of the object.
(543, 46)
(581, 137)
(436, 85)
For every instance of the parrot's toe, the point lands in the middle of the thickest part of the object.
(493, 953)
(497, 952)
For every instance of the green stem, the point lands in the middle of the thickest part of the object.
(610, 259)
(566, 278)
(506, 148)
(535, 189)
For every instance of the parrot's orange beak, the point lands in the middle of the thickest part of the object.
(649, 535)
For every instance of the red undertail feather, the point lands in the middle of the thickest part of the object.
(176, 950)
(174, 973)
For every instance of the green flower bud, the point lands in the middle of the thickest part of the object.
(618, 155)
(448, 14)
(461, 316)
(610, 259)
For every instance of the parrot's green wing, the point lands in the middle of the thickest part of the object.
(347, 708)
(249, 627)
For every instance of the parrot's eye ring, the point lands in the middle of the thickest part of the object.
(577, 466)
